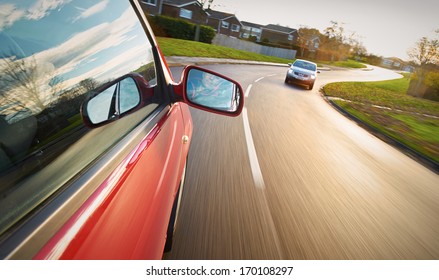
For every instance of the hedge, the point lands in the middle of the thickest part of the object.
(180, 29)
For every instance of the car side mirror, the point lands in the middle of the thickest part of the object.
(114, 100)
(212, 92)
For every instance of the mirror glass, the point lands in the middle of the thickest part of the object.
(113, 101)
(212, 91)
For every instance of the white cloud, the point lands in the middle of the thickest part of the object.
(9, 14)
(82, 48)
(42, 8)
(93, 10)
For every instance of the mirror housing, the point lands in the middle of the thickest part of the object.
(116, 99)
(210, 91)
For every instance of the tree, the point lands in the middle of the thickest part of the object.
(334, 39)
(306, 35)
(209, 3)
(337, 44)
(20, 85)
(197, 26)
(425, 54)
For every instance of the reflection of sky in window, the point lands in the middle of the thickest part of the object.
(80, 41)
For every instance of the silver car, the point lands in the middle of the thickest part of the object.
(302, 72)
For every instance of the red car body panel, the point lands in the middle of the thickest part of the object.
(128, 212)
(125, 202)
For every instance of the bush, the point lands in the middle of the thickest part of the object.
(207, 34)
(428, 88)
(164, 26)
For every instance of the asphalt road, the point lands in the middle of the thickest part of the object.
(291, 178)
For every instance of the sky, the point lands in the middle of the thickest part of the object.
(387, 28)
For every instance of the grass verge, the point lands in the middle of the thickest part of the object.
(177, 47)
(387, 108)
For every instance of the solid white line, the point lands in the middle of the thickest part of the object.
(247, 92)
(254, 163)
(259, 79)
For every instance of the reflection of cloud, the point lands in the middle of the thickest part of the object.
(43, 7)
(93, 10)
(88, 43)
(117, 66)
(97, 45)
(9, 13)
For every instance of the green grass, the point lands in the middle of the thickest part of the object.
(411, 121)
(177, 47)
(391, 94)
(346, 64)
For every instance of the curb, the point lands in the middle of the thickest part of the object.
(175, 61)
(426, 161)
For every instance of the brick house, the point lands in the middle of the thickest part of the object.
(279, 34)
(250, 29)
(224, 23)
(185, 9)
(151, 7)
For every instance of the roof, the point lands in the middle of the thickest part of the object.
(180, 3)
(219, 15)
(278, 28)
(251, 24)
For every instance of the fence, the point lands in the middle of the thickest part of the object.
(226, 41)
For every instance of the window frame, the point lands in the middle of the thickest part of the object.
(150, 2)
(185, 13)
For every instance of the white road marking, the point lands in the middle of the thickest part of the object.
(254, 163)
(259, 79)
(271, 75)
(247, 92)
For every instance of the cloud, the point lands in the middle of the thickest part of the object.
(70, 57)
(9, 14)
(93, 10)
(43, 7)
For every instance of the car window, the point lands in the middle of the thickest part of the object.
(52, 57)
(305, 65)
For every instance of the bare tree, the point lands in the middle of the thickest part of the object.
(209, 3)
(19, 85)
(424, 54)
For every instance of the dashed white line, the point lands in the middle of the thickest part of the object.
(259, 79)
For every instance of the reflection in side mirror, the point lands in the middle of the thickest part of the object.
(212, 91)
(110, 102)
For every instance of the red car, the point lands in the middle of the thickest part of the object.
(94, 132)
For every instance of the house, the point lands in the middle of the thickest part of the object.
(274, 33)
(250, 29)
(397, 64)
(224, 23)
(185, 9)
(152, 7)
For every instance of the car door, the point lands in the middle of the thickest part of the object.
(72, 189)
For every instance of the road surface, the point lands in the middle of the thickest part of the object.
(291, 178)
